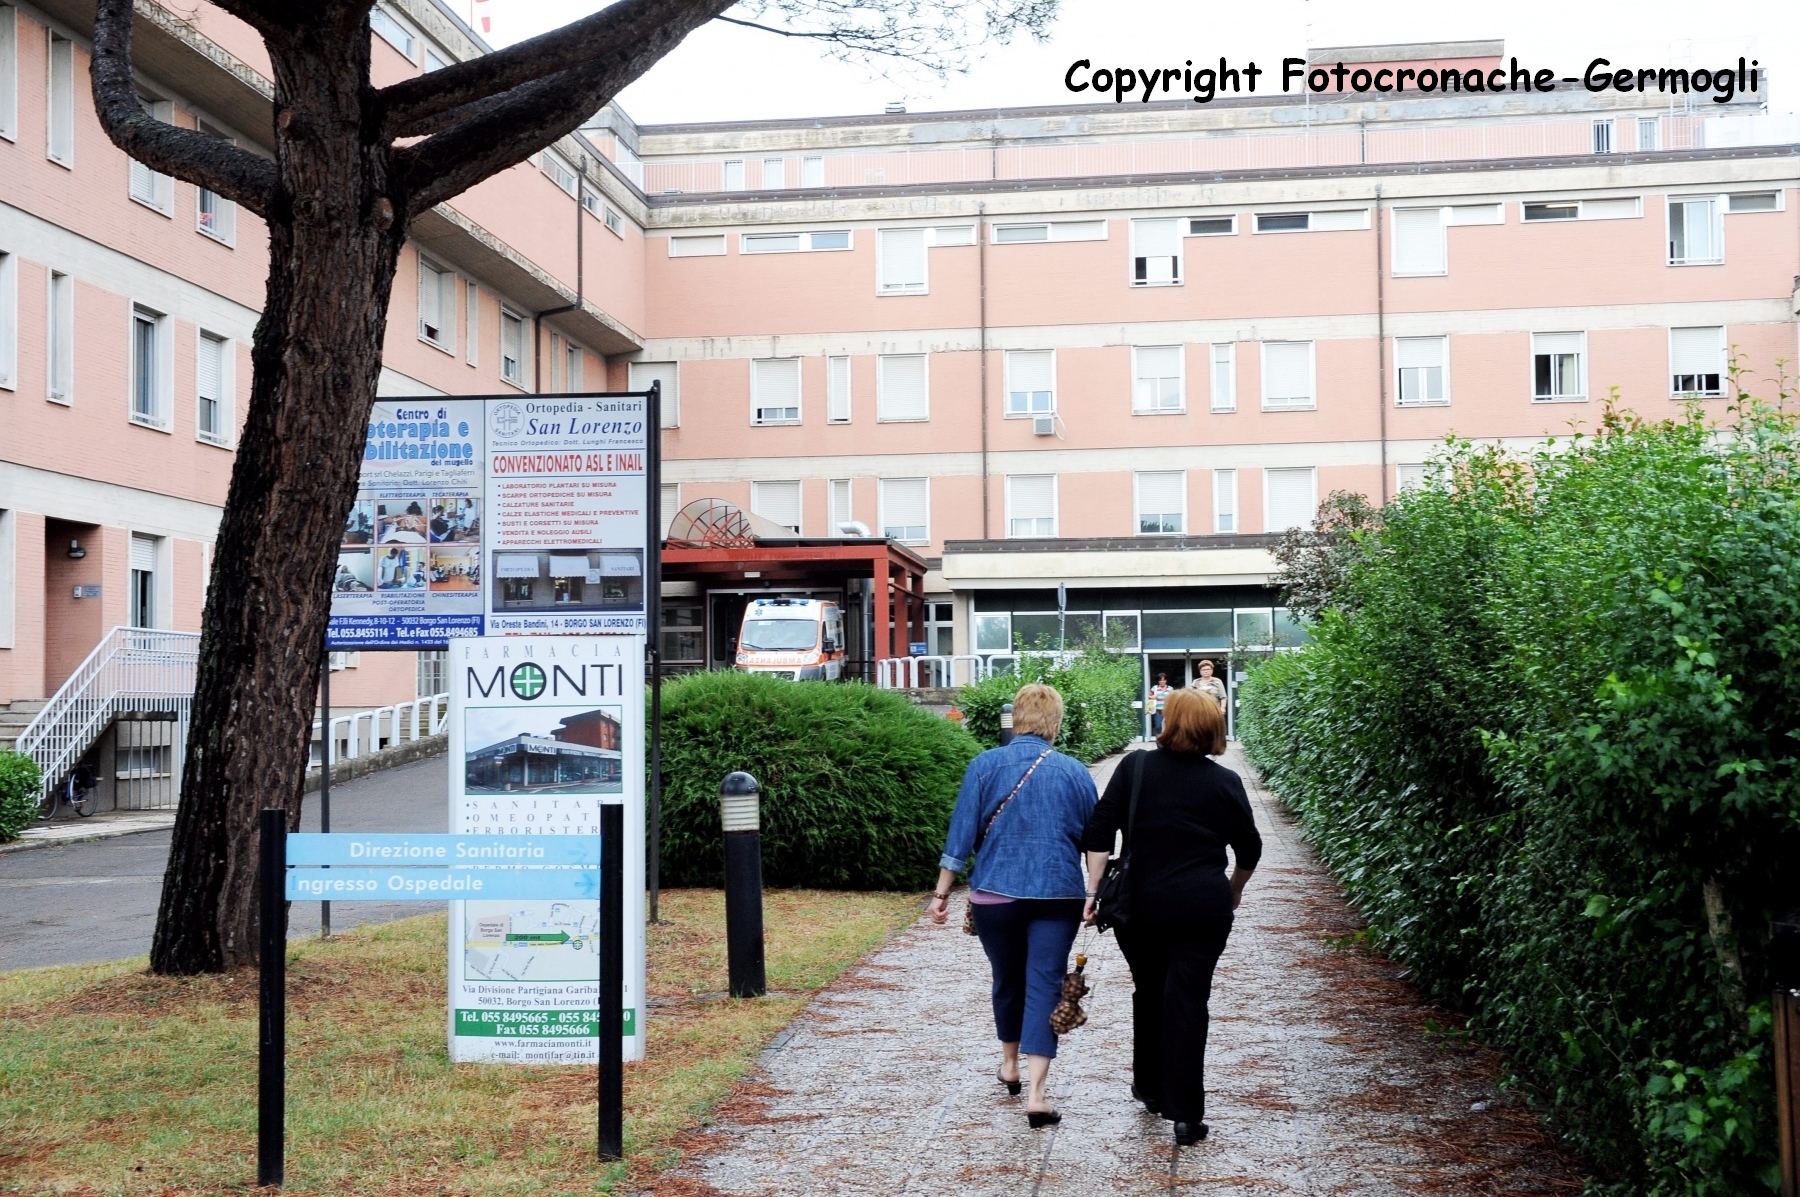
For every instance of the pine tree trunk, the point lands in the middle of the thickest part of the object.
(334, 242)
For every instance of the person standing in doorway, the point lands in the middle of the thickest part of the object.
(1208, 684)
(1189, 809)
(1159, 694)
(1020, 815)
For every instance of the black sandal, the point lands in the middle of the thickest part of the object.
(1012, 1087)
(1042, 1118)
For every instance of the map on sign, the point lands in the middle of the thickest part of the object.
(531, 941)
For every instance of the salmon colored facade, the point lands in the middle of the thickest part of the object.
(1115, 347)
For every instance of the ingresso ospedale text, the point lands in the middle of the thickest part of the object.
(1203, 84)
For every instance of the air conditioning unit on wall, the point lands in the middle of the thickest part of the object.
(1043, 425)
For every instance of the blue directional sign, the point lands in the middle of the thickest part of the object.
(438, 885)
(441, 851)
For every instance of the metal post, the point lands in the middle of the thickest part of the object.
(653, 612)
(612, 981)
(325, 781)
(1784, 957)
(271, 1055)
(740, 815)
(1006, 731)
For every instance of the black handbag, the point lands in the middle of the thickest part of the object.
(1112, 901)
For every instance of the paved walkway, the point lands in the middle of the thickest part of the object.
(1322, 1078)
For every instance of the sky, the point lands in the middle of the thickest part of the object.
(724, 72)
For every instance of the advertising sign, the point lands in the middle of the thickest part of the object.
(543, 731)
(511, 514)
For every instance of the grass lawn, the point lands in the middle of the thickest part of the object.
(114, 1081)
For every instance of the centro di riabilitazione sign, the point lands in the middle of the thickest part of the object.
(514, 515)
(543, 731)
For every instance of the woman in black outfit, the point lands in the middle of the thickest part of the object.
(1189, 808)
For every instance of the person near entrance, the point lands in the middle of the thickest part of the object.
(1159, 694)
(1189, 808)
(1020, 814)
(1209, 685)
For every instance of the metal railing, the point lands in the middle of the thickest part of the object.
(383, 727)
(131, 671)
(932, 672)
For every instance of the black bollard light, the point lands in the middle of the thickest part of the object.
(740, 815)
(1006, 731)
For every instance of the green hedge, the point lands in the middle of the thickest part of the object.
(1551, 752)
(857, 783)
(19, 782)
(1098, 689)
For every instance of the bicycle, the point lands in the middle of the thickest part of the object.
(76, 791)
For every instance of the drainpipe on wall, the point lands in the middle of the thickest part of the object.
(537, 321)
(981, 252)
(1381, 341)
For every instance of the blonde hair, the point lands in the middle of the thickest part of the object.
(1192, 722)
(1037, 711)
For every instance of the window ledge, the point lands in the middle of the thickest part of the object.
(60, 400)
(903, 419)
(1029, 415)
(1177, 283)
(1421, 274)
(227, 242)
(1422, 403)
(66, 163)
(1686, 396)
(447, 350)
(1698, 262)
(514, 383)
(1291, 407)
(217, 442)
(885, 293)
(140, 201)
(775, 423)
(152, 424)
(1159, 411)
(1559, 398)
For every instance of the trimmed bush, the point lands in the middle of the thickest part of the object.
(857, 783)
(19, 782)
(1546, 736)
(1098, 689)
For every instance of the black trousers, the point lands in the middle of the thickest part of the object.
(1172, 968)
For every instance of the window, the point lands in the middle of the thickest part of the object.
(1419, 241)
(1603, 137)
(710, 246)
(60, 123)
(1225, 501)
(1030, 382)
(837, 390)
(1410, 475)
(1062, 230)
(1212, 226)
(472, 333)
(1283, 222)
(143, 580)
(1162, 503)
(1754, 201)
(902, 387)
(1287, 375)
(1423, 366)
(148, 187)
(812, 171)
(775, 390)
(150, 367)
(437, 305)
(1697, 361)
(777, 502)
(1623, 207)
(9, 72)
(733, 175)
(392, 31)
(1568, 210)
(840, 505)
(1155, 253)
(1223, 376)
(212, 389)
(9, 321)
(1290, 498)
(905, 510)
(1316, 222)
(215, 215)
(560, 172)
(955, 234)
(573, 362)
(1031, 505)
(774, 173)
(512, 348)
(644, 373)
(1008, 234)
(669, 496)
(901, 261)
(1557, 366)
(1647, 133)
(1156, 378)
(61, 320)
(433, 60)
(788, 243)
(615, 224)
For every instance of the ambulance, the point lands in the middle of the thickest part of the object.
(796, 638)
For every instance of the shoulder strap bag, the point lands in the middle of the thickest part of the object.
(969, 910)
(1112, 901)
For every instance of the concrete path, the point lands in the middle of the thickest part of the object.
(1322, 1078)
(80, 902)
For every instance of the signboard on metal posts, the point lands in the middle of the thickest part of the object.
(545, 732)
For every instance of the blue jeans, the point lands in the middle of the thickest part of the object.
(1027, 943)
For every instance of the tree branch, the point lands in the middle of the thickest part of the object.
(496, 133)
(412, 104)
(189, 154)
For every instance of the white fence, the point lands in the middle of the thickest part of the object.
(364, 732)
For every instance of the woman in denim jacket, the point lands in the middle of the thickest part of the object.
(1026, 887)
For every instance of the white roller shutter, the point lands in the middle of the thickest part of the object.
(209, 370)
(1031, 503)
(1419, 241)
(143, 553)
(837, 390)
(1697, 360)
(902, 390)
(905, 508)
(902, 260)
(1155, 251)
(1290, 499)
(670, 496)
(1225, 501)
(1287, 373)
(777, 502)
(775, 390)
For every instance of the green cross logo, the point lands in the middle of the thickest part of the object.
(527, 681)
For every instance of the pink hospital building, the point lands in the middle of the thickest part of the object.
(1102, 350)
